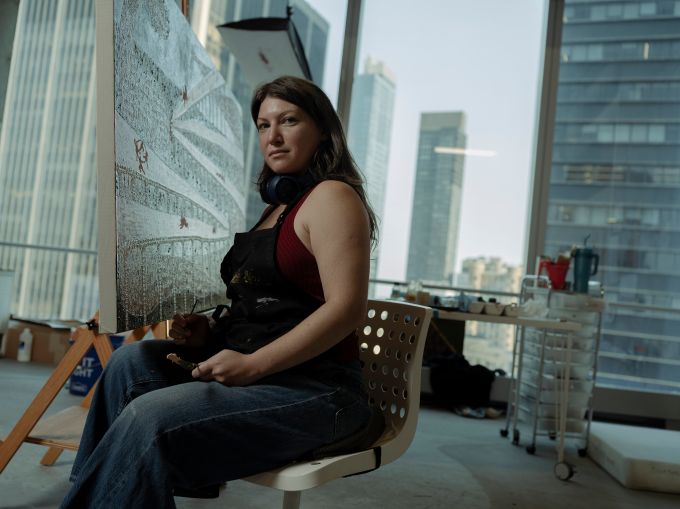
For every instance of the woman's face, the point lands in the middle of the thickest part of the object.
(288, 136)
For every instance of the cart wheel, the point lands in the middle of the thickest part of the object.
(564, 471)
(504, 432)
(531, 449)
(515, 437)
(582, 452)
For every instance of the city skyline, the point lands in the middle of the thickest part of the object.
(483, 58)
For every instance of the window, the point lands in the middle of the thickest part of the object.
(624, 189)
(458, 152)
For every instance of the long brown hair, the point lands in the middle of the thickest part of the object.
(332, 159)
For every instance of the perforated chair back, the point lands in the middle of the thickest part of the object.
(392, 342)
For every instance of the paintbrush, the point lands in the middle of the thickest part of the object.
(189, 366)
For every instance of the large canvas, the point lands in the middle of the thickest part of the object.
(170, 166)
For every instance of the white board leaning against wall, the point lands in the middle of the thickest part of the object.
(171, 181)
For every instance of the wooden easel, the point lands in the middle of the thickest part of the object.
(63, 429)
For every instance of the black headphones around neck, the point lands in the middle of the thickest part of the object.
(283, 189)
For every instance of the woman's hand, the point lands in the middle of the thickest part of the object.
(190, 330)
(228, 367)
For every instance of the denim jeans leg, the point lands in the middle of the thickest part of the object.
(132, 370)
(201, 433)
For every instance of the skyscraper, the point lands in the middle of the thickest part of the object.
(48, 229)
(437, 198)
(313, 31)
(615, 177)
(370, 131)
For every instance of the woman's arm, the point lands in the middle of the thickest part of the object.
(333, 224)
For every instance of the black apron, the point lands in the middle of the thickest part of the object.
(264, 305)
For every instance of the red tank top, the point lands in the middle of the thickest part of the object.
(298, 266)
(295, 261)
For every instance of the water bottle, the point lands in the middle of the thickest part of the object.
(25, 345)
(585, 265)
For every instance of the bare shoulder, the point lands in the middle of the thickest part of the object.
(331, 205)
(331, 194)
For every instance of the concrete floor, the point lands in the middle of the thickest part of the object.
(454, 462)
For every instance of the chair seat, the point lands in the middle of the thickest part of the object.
(302, 476)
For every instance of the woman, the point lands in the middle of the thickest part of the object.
(279, 377)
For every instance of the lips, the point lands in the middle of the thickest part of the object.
(275, 153)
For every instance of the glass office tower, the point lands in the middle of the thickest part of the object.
(370, 132)
(48, 231)
(616, 177)
(435, 214)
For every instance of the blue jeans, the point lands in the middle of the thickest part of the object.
(152, 427)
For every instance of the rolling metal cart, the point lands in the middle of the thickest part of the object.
(554, 371)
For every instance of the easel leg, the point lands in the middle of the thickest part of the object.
(84, 339)
(51, 456)
(104, 350)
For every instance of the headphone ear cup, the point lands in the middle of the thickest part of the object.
(283, 189)
(268, 191)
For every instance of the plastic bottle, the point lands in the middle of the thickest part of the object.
(25, 345)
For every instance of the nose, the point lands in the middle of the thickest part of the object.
(274, 135)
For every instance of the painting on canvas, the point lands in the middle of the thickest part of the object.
(171, 185)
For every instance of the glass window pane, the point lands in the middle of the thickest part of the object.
(598, 12)
(447, 156)
(578, 52)
(631, 10)
(647, 9)
(622, 133)
(657, 133)
(614, 11)
(624, 191)
(595, 52)
(639, 134)
(605, 133)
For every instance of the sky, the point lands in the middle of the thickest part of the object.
(482, 57)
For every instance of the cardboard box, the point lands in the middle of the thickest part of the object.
(50, 342)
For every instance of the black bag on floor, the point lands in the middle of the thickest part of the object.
(456, 383)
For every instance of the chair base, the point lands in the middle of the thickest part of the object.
(204, 492)
(291, 499)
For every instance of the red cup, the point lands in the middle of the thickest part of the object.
(557, 272)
